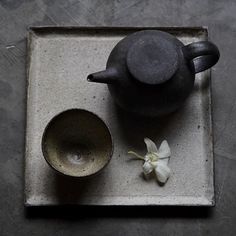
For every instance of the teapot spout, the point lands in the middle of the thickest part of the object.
(107, 76)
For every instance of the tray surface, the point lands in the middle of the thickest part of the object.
(60, 58)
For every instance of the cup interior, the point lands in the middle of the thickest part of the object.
(77, 143)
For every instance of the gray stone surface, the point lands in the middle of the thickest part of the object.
(15, 17)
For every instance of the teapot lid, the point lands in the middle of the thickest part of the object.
(152, 59)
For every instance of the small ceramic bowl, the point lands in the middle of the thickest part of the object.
(77, 143)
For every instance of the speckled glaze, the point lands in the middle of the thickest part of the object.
(60, 60)
(77, 143)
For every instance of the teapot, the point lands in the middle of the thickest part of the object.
(151, 73)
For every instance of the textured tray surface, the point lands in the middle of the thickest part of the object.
(60, 60)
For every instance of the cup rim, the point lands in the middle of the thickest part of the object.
(45, 153)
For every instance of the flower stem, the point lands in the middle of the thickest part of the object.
(136, 154)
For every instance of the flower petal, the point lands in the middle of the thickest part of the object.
(162, 172)
(136, 154)
(154, 163)
(147, 167)
(164, 150)
(151, 146)
(164, 161)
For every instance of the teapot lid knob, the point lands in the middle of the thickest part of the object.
(152, 60)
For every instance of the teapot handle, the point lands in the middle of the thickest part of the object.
(204, 55)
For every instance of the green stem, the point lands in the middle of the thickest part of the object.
(136, 154)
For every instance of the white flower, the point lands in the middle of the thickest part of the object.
(156, 159)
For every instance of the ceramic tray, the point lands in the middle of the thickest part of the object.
(60, 58)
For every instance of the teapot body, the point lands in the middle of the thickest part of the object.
(146, 99)
(151, 73)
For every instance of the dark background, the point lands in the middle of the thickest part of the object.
(15, 17)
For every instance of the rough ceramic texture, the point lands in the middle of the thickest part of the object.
(77, 143)
(60, 61)
(16, 16)
(151, 73)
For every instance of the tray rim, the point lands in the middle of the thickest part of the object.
(58, 29)
(34, 30)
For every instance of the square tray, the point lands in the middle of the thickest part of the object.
(60, 58)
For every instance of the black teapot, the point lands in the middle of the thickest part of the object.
(151, 72)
